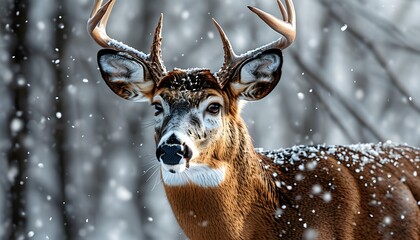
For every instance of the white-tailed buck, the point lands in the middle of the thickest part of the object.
(220, 187)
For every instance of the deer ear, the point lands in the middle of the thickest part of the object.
(258, 76)
(127, 77)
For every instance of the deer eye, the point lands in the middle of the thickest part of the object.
(214, 108)
(158, 108)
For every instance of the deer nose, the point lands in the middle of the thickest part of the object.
(172, 151)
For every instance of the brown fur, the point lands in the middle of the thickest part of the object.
(249, 204)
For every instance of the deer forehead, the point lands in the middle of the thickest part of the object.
(189, 80)
(190, 87)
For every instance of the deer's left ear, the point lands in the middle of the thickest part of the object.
(258, 76)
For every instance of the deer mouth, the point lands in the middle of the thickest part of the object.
(197, 174)
(174, 169)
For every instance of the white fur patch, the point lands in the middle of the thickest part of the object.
(197, 174)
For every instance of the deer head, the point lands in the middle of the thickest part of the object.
(194, 109)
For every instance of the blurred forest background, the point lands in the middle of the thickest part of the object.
(75, 159)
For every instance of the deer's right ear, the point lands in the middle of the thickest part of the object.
(127, 77)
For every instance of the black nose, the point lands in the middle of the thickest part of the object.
(169, 154)
(172, 151)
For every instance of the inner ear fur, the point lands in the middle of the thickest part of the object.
(126, 76)
(256, 77)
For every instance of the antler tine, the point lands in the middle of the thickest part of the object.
(96, 5)
(96, 26)
(108, 10)
(230, 59)
(156, 50)
(291, 12)
(227, 46)
(97, 22)
(283, 11)
(287, 28)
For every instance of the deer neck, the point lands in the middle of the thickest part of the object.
(208, 212)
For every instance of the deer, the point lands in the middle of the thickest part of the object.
(220, 186)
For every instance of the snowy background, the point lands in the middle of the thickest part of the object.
(76, 161)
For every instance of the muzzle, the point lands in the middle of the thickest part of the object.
(173, 151)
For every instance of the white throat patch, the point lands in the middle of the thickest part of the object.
(197, 174)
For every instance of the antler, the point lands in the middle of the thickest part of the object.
(96, 26)
(286, 27)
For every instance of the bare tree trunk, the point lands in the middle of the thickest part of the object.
(60, 134)
(18, 154)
